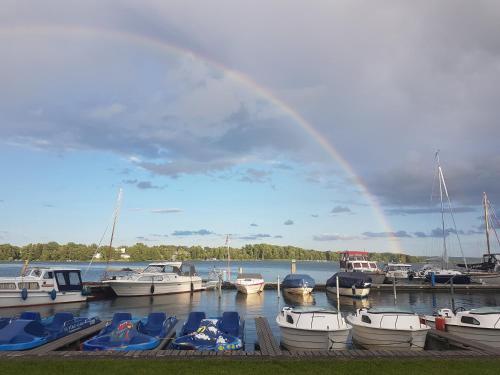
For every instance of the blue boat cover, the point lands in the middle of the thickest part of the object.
(297, 281)
(349, 279)
(4, 322)
(30, 315)
(208, 337)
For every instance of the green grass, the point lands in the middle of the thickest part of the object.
(251, 367)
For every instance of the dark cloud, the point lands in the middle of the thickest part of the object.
(288, 222)
(333, 237)
(340, 209)
(48, 205)
(253, 175)
(200, 232)
(143, 185)
(398, 234)
(438, 233)
(253, 225)
(314, 215)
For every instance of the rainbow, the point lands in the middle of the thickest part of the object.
(244, 80)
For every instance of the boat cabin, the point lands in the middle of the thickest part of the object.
(357, 261)
(44, 279)
(178, 268)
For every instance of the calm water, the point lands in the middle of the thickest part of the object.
(267, 304)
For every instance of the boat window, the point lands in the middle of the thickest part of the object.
(366, 319)
(357, 265)
(74, 278)
(470, 320)
(36, 273)
(145, 278)
(48, 275)
(158, 278)
(7, 285)
(289, 319)
(154, 269)
(373, 265)
(29, 285)
(60, 278)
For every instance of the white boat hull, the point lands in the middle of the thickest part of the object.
(36, 298)
(350, 292)
(487, 336)
(299, 340)
(299, 291)
(127, 288)
(394, 339)
(250, 288)
(493, 279)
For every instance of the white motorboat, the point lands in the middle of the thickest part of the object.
(351, 284)
(42, 286)
(399, 271)
(480, 325)
(388, 328)
(157, 278)
(249, 283)
(312, 329)
(357, 261)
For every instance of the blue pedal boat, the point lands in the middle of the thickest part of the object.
(213, 334)
(30, 331)
(124, 334)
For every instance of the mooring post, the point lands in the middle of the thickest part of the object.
(338, 294)
(452, 294)
(433, 279)
(394, 289)
(278, 287)
(293, 266)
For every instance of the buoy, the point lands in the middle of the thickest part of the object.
(440, 323)
(53, 294)
(24, 294)
(152, 289)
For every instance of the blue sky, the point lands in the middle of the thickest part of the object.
(95, 97)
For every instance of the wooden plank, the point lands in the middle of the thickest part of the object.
(167, 339)
(67, 340)
(267, 342)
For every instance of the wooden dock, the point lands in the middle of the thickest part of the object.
(266, 340)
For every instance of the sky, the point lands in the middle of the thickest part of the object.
(305, 123)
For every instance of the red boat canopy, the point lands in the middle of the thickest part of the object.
(353, 252)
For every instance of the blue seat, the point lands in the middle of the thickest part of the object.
(193, 322)
(22, 334)
(57, 323)
(230, 323)
(153, 325)
(31, 315)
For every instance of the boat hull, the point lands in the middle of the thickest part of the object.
(350, 292)
(487, 279)
(380, 338)
(250, 288)
(307, 340)
(126, 288)
(487, 336)
(14, 299)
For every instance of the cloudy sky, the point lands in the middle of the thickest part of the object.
(309, 123)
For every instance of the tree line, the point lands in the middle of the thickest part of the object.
(53, 251)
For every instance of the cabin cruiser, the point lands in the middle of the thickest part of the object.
(312, 329)
(357, 261)
(480, 325)
(157, 278)
(352, 284)
(445, 276)
(388, 327)
(399, 271)
(42, 286)
(298, 284)
(249, 283)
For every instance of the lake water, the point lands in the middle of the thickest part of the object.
(266, 304)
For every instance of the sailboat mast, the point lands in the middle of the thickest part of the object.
(486, 222)
(445, 250)
(115, 219)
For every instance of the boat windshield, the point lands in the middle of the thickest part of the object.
(154, 269)
(391, 310)
(33, 272)
(305, 309)
(486, 310)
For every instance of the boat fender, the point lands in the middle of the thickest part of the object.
(353, 290)
(192, 287)
(24, 294)
(53, 294)
(410, 277)
(440, 323)
(152, 289)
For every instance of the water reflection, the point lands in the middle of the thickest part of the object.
(298, 300)
(348, 304)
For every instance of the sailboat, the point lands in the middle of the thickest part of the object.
(445, 274)
(487, 271)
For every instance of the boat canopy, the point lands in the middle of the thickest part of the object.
(296, 280)
(391, 310)
(349, 279)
